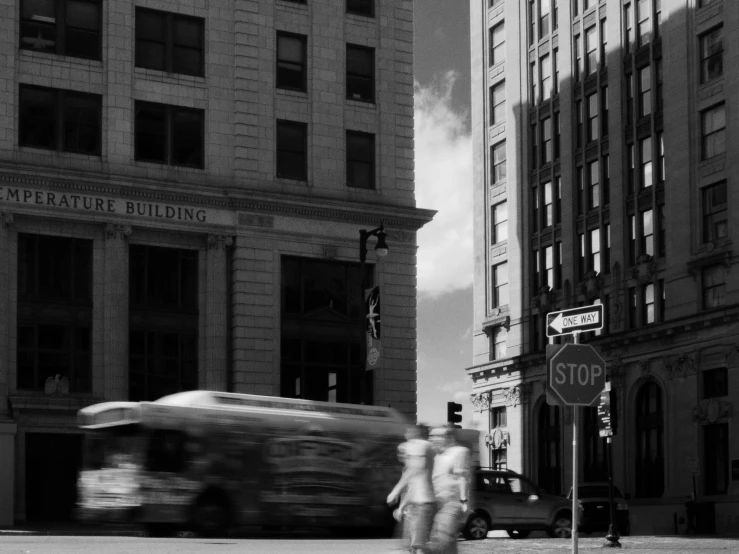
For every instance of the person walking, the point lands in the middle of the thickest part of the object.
(414, 490)
(450, 479)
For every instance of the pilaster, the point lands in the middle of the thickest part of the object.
(115, 313)
(214, 366)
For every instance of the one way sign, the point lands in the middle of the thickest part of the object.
(576, 320)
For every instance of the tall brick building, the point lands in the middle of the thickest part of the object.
(603, 175)
(182, 186)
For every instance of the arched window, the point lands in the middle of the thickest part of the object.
(595, 465)
(650, 462)
(550, 463)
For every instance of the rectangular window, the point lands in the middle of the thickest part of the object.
(544, 18)
(361, 7)
(171, 135)
(593, 131)
(712, 54)
(662, 305)
(648, 304)
(536, 216)
(581, 256)
(170, 42)
(715, 212)
(500, 222)
(537, 281)
(593, 184)
(360, 73)
(499, 418)
(661, 246)
(577, 43)
(644, 25)
(360, 160)
(607, 249)
(556, 70)
(498, 340)
(498, 159)
(292, 64)
(645, 173)
(556, 135)
(633, 308)
(580, 190)
(606, 179)
(534, 82)
(591, 49)
(716, 458)
(715, 383)
(292, 150)
(647, 235)
(713, 131)
(558, 199)
(578, 123)
(498, 103)
(64, 27)
(604, 111)
(594, 262)
(630, 167)
(558, 265)
(657, 18)
(497, 44)
(714, 287)
(548, 205)
(629, 99)
(56, 119)
(545, 66)
(603, 43)
(632, 239)
(532, 22)
(500, 285)
(629, 27)
(645, 91)
(548, 267)
(546, 140)
(661, 158)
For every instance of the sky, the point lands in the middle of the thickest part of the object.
(443, 162)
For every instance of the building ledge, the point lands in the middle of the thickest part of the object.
(44, 402)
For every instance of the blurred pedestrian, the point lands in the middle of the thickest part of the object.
(450, 478)
(414, 491)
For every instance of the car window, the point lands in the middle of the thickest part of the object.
(521, 486)
(492, 483)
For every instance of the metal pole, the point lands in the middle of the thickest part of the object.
(612, 536)
(575, 417)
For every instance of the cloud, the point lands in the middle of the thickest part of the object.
(443, 162)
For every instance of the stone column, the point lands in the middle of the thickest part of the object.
(114, 372)
(214, 358)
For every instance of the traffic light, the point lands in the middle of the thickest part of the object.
(454, 413)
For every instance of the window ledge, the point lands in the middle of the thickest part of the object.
(717, 158)
(70, 61)
(709, 258)
(498, 318)
(29, 400)
(365, 104)
(58, 155)
(166, 77)
(293, 94)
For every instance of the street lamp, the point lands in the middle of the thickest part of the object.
(381, 251)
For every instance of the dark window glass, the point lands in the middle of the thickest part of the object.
(361, 7)
(360, 160)
(497, 44)
(360, 73)
(715, 212)
(712, 54)
(292, 154)
(714, 287)
(67, 27)
(291, 61)
(595, 467)
(500, 285)
(171, 135)
(649, 470)
(498, 162)
(60, 120)
(170, 42)
(549, 449)
(715, 382)
(716, 458)
(713, 131)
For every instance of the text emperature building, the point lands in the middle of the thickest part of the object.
(182, 186)
(603, 175)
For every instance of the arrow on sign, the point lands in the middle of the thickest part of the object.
(564, 322)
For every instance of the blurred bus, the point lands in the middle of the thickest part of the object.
(210, 461)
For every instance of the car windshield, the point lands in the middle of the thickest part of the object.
(595, 491)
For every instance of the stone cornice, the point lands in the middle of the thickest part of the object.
(312, 207)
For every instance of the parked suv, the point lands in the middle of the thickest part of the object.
(596, 512)
(505, 500)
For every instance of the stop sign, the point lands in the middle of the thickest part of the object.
(577, 374)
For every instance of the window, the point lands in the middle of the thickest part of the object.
(498, 339)
(713, 131)
(549, 449)
(662, 305)
(715, 214)
(644, 26)
(169, 42)
(712, 54)
(661, 246)
(544, 18)
(556, 135)
(607, 249)
(630, 167)
(548, 267)
(546, 140)
(581, 256)
(360, 160)
(556, 70)
(591, 49)
(545, 66)
(606, 179)
(500, 285)
(595, 466)
(580, 190)
(535, 209)
(56, 119)
(558, 199)
(361, 7)
(715, 383)
(360, 73)
(648, 304)
(500, 222)
(534, 81)
(714, 287)
(629, 27)
(661, 158)
(497, 101)
(498, 159)
(604, 111)
(603, 43)
(645, 91)
(577, 43)
(593, 184)
(54, 311)
(291, 62)
(649, 471)
(532, 21)
(498, 417)
(170, 135)
(647, 234)
(660, 100)
(548, 205)
(629, 99)
(493, 3)
(645, 172)
(716, 458)
(632, 239)
(594, 254)
(593, 107)
(558, 265)
(632, 306)
(497, 44)
(578, 123)
(292, 150)
(65, 27)
(657, 17)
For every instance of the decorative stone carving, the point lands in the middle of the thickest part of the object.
(592, 285)
(545, 298)
(644, 368)
(254, 220)
(680, 366)
(400, 236)
(498, 438)
(218, 242)
(7, 219)
(615, 369)
(330, 251)
(57, 385)
(713, 410)
(114, 231)
(645, 269)
(480, 402)
(513, 396)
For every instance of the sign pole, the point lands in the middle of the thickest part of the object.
(575, 415)
(612, 535)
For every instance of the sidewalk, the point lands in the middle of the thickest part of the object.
(74, 529)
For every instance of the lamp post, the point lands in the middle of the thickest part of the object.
(381, 250)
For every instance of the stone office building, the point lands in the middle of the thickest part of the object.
(603, 175)
(182, 186)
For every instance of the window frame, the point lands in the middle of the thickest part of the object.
(498, 172)
(707, 56)
(499, 223)
(497, 105)
(60, 29)
(168, 41)
(281, 171)
(708, 290)
(170, 135)
(364, 8)
(355, 77)
(718, 132)
(283, 65)
(351, 160)
(500, 281)
(497, 43)
(714, 212)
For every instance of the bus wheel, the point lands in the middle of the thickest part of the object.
(211, 516)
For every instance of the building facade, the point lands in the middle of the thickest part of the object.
(603, 175)
(182, 186)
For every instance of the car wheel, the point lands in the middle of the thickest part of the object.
(477, 527)
(518, 534)
(562, 526)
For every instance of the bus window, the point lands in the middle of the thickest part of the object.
(166, 451)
